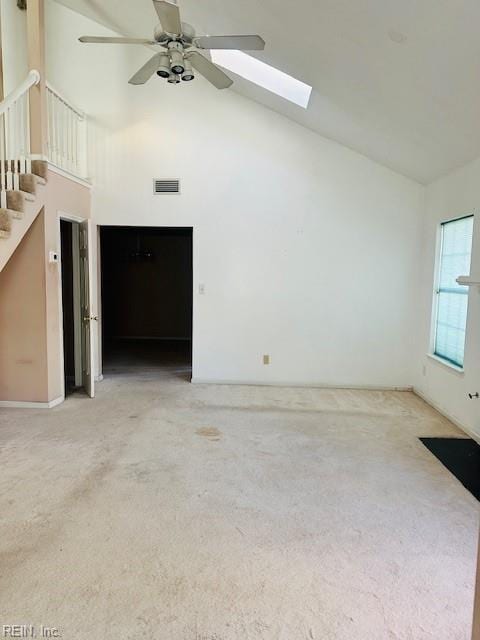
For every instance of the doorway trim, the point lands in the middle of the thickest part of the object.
(68, 217)
(99, 291)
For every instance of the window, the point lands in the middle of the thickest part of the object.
(264, 75)
(452, 298)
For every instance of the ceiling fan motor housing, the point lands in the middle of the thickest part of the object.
(186, 37)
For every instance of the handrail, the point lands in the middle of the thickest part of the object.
(67, 103)
(31, 80)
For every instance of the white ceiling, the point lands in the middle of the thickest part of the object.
(413, 106)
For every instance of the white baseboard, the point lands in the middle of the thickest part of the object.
(17, 404)
(302, 385)
(447, 415)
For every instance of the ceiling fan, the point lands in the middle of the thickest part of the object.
(178, 58)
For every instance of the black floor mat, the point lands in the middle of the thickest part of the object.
(461, 456)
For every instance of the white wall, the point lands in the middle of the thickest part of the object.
(453, 196)
(308, 251)
(91, 77)
(14, 44)
(94, 79)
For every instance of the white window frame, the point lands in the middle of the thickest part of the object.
(436, 292)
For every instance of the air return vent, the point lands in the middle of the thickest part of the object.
(166, 186)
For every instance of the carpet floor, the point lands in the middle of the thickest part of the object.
(172, 511)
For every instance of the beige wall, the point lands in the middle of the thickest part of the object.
(23, 325)
(31, 352)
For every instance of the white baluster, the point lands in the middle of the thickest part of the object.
(64, 135)
(28, 154)
(68, 113)
(75, 145)
(61, 130)
(83, 133)
(73, 129)
(49, 125)
(56, 116)
(54, 130)
(15, 146)
(22, 127)
(8, 150)
(3, 185)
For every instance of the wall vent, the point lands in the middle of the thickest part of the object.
(166, 186)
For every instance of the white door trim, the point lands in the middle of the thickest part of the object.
(69, 217)
(63, 215)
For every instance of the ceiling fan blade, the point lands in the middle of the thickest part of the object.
(102, 40)
(242, 43)
(210, 71)
(147, 71)
(169, 16)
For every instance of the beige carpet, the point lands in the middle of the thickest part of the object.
(170, 511)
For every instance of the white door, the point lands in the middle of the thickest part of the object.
(88, 377)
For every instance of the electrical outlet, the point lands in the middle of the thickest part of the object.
(266, 359)
(201, 289)
(424, 370)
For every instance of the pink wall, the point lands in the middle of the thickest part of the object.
(23, 324)
(31, 352)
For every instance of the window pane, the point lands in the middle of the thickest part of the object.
(451, 324)
(452, 302)
(456, 251)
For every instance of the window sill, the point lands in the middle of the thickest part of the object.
(452, 367)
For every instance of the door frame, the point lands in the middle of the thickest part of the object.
(77, 220)
(99, 291)
(97, 277)
(87, 307)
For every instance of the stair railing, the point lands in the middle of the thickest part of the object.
(67, 134)
(15, 156)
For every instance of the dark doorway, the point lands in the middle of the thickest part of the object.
(147, 295)
(66, 243)
(461, 456)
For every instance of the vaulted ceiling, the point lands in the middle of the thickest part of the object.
(396, 81)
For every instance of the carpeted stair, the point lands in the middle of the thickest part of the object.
(15, 200)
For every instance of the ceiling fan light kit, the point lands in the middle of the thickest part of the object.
(188, 74)
(164, 67)
(180, 57)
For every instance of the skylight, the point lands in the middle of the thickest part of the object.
(264, 75)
